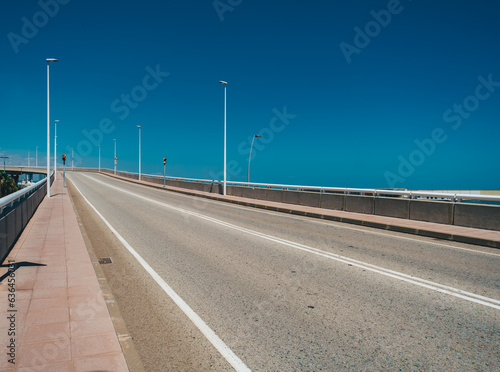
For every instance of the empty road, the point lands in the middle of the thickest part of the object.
(205, 285)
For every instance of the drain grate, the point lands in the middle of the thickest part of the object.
(105, 260)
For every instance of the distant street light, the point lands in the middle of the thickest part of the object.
(139, 151)
(99, 157)
(4, 157)
(29, 158)
(48, 126)
(55, 149)
(225, 87)
(115, 159)
(72, 159)
(36, 157)
(250, 156)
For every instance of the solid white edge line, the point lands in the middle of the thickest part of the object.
(469, 296)
(215, 340)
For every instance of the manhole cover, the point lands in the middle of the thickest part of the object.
(105, 260)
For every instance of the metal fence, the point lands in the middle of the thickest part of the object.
(16, 210)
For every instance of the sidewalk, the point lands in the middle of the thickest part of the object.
(489, 238)
(58, 320)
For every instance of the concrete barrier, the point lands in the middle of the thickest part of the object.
(310, 199)
(359, 204)
(392, 207)
(274, 195)
(332, 201)
(478, 216)
(291, 197)
(431, 211)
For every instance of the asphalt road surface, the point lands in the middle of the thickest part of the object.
(205, 285)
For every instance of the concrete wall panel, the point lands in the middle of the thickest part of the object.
(431, 211)
(359, 204)
(478, 216)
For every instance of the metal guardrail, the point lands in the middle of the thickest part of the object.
(453, 197)
(9, 200)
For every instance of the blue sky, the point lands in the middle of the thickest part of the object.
(344, 93)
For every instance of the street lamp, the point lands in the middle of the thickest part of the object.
(139, 151)
(4, 157)
(36, 157)
(115, 155)
(225, 87)
(55, 149)
(48, 126)
(29, 158)
(99, 157)
(250, 156)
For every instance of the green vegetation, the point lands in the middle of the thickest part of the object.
(8, 184)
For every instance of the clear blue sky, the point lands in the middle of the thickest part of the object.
(345, 93)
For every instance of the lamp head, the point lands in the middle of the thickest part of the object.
(51, 60)
(223, 82)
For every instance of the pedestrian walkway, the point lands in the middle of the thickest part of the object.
(54, 314)
(461, 234)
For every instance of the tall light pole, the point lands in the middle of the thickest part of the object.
(225, 87)
(4, 157)
(250, 156)
(36, 157)
(29, 158)
(72, 159)
(48, 126)
(99, 157)
(55, 149)
(115, 154)
(139, 151)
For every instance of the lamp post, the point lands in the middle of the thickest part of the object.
(48, 126)
(36, 157)
(225, 87)
(55, 149)
(99, 157)
(139, 151)
(72, 159)
(250, 156)
(115, 156)
(4, 157)
(29, 158)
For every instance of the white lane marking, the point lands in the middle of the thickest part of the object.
(215, 340)
(343, 226)
(469, 296)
